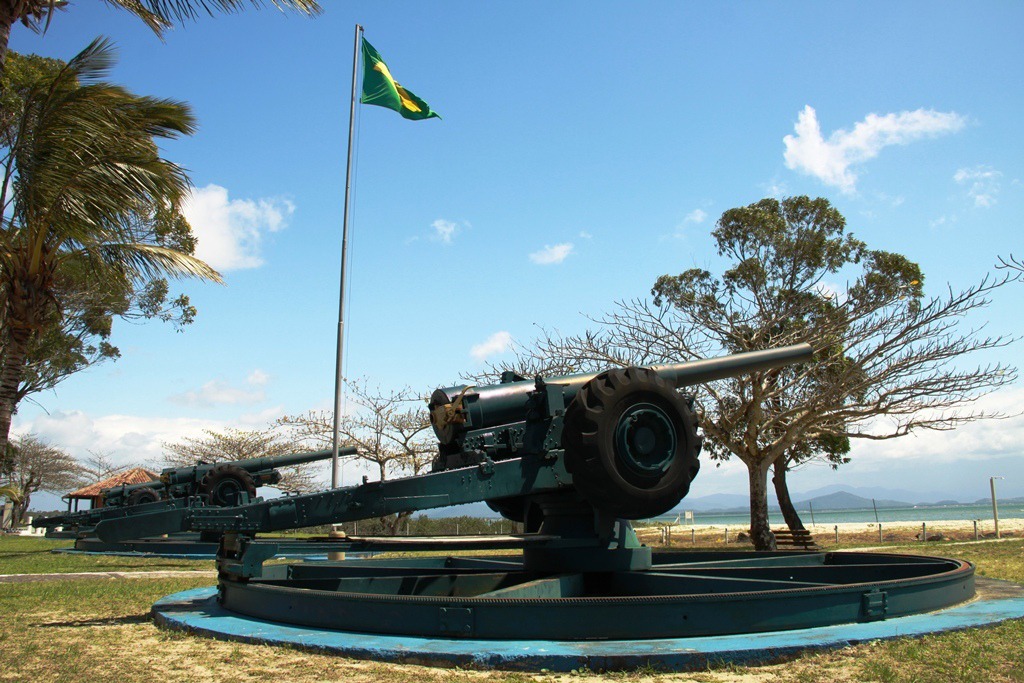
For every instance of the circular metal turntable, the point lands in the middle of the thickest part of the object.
(682, 594)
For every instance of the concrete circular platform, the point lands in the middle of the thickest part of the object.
(197, 611)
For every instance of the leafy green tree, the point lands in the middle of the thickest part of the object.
(88, 205)
(887, 360)
(158, 15)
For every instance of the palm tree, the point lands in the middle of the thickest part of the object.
(12, 493)
(156, 14)
(84, 187)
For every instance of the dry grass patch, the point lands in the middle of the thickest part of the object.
(99, 630)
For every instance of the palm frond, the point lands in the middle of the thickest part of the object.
(12, 493)
(150, 261)
(161, 14)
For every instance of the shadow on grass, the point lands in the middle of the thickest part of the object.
(89, 623)
(23, 553)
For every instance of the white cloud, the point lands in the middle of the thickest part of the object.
(830, 160)
(444, 231)
(129, 439)
(696, 216)
(499, 342)
(551, 255)
(257, 378)
(830, 290)
(218, 392)
(229, 232)
(585, 235)
(943, 220)
(983, 184)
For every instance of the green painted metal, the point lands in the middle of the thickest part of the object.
(182, 483)
(522, 416)
(499, 480)
(495, 598)
(479, 462)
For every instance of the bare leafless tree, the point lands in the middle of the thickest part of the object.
(38, 466)
(390, 429)
(99, 466)
(238, 444)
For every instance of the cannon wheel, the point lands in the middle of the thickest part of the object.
(143, 496)
(224, 484)
(631, 443)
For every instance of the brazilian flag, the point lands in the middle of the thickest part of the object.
(380, 88)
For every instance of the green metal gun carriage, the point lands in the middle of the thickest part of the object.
(218, 484)
(574, 459)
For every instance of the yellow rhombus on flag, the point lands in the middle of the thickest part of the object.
(380, 88)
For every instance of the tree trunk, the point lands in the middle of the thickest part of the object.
(18, 514)
(7, 19)
(782, 492)
(10, 379)
(760, 530)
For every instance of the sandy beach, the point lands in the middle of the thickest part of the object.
(849, 532)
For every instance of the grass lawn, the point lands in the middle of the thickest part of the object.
(99, 630)
(27, 555)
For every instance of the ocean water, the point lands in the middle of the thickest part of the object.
(863, 515)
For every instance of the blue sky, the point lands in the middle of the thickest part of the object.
(586, 149)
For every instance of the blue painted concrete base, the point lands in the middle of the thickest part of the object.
(197, 611)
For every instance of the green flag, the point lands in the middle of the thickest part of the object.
(380, 88)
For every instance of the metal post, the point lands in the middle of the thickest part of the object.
(837, 534)
(924, 531)
(975, 530)
(693, 536)
(879, 533)
(995, 507)
(344, 249)
(726, 534)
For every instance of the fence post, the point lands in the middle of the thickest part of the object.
(924, 531)
(975, 530)
(879, 533)
(693, 536)
(726, 534)
(837, 534)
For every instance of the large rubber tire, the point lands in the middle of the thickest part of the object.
(631, 443)
(143, 496)
(223, 485)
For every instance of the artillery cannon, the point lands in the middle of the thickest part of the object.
(554, 453)
(219, 484)
(575, 458)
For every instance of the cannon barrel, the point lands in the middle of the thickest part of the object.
(500, 404)
(173, 476)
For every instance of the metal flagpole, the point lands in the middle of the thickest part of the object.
(344, 246)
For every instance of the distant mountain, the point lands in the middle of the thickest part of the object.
(880, 493)
(843, 500)
(715, 502)
(835, 500)
(1011, 501)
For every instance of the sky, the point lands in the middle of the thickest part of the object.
(585, 149)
